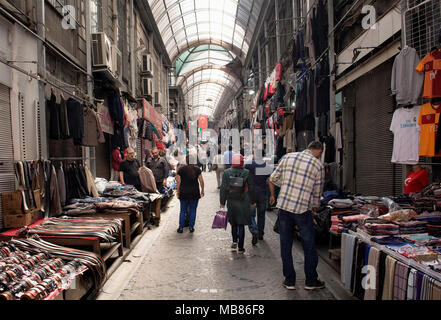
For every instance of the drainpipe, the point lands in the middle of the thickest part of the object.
(41, 69)
(132, 48)
(332, 115)
(115, 21)
(90, 152)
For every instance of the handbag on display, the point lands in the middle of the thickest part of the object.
(220, 220)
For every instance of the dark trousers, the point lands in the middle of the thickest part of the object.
(238, 232)
(287, 221)
(261, 211)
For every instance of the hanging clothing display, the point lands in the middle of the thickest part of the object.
(93, 134)
(406, 132)
(431, 67)
(64, 120)
(76, 120)
(406, 82)
(428, 120)
(54, 118)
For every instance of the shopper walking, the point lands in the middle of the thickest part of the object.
(228, 157)
(129, 170)
(190, 188)
(159, 168)
(219, 167)
(237, 191)
(300, 176)
(259, 174)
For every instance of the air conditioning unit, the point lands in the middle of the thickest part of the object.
(116, 62)
(158, 99)
(147, 65)
(101, 51)
(147, 87)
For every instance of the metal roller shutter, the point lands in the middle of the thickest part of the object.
(375, 174)
(7, 178)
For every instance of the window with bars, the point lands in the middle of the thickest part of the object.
(422, 24)
(96, 9)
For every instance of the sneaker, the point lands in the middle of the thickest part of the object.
(255, 237)
(191, 230)
(241, 250)
(317, 284)
(234, 245)
(180, 230)
(288, 286)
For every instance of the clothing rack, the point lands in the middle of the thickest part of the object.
(70, 158)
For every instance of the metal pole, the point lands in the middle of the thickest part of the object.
(295, 12)
(331, 40)
(259, 57)
(267, 64)
(276, 7)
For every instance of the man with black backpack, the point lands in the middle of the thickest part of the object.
(237, 191)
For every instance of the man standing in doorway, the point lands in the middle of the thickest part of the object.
(300, 176)
(129, 170)
(116, 161)
(159, 168)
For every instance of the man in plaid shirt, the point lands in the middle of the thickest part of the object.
(300, 176)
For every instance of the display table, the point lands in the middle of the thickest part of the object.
(366, 238)
(91, 243)
(132, 223)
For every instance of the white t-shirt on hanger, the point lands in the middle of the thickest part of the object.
(406, 132)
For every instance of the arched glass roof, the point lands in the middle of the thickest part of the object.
(205, 87)
(203, 55)
(199, 33)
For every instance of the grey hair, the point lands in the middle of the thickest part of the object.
(315, 145)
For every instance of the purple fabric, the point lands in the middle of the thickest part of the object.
(420, 276)
(220, 220)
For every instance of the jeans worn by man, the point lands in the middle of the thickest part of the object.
(259, 174)
(287, 221)
(300, 176)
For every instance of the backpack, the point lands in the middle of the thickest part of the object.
(236, 187)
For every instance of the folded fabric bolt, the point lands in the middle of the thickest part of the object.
(341, 203)
(390, 240)
(355, 218)
(399, 215)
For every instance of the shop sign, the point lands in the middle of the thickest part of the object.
(104, 118)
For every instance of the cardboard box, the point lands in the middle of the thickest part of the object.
(20, 220)
(12, 203)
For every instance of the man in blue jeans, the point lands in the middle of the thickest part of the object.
(300, 176)
(259, 174)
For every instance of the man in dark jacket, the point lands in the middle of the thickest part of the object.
(159, 168)
(259, 175)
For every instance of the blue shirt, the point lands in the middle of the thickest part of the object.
(228, 159)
